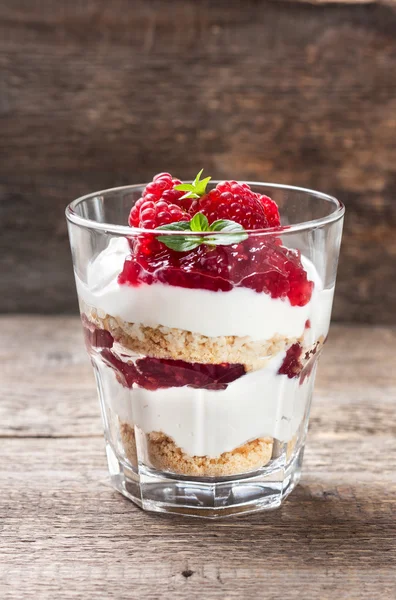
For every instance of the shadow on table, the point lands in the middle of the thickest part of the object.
(353, 523)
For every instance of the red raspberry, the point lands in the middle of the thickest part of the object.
(263, 265)
(236, 202)
(271, 211)
(154, 214)
(162, 176)
(160, 189)
(134, 215)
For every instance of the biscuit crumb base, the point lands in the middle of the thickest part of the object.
(128, 439)
(164, 455)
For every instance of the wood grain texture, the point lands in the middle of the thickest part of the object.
(94, 95)
(66, 534)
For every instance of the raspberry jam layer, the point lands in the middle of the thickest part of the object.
(95, 337)
(240, 312)
(157, 373)
(295, 364)
(263, 266)
(291, 365)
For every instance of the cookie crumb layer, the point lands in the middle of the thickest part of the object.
(179, 344)
(164, 455)
(128, 440)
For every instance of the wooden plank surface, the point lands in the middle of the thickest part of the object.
(97, 94)
(66, 534)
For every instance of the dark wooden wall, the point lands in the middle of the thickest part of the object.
(95, 94)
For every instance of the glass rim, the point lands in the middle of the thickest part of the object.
(126, 230)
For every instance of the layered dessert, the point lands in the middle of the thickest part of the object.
(204, 329)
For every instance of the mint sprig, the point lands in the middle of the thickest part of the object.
(199, 223)
(194, 190)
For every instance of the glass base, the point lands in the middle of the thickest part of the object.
(205, 497)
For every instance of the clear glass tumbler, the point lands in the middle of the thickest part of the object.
(205, 386)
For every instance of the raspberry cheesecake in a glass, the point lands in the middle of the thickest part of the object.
(204, 318)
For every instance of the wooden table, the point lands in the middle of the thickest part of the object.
(66, 534)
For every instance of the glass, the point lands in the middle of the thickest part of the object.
(205, 386)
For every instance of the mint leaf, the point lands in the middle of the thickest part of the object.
(178, 226)
(196, 180)
(199, 222)
(236, 232)
(184, 187)
(191, 195)
(196, 189)
(225, 225)
(180, 243)
(200, 188)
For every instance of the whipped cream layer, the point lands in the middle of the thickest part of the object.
(208, 423)
(239, 312)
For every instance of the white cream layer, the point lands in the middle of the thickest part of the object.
(239, 312)
(208, 423)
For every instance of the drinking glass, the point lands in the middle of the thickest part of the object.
(205, 389)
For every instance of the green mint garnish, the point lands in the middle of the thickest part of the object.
(196, 189)
(199, 223)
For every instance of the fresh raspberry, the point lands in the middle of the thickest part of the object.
(154, 214)
(235, 202)
(159, 190)
(271, 210)
(160, 183)
(134, 215)
(165, 176)
(261, 264)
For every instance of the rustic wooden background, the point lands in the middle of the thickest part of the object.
(95, 94)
